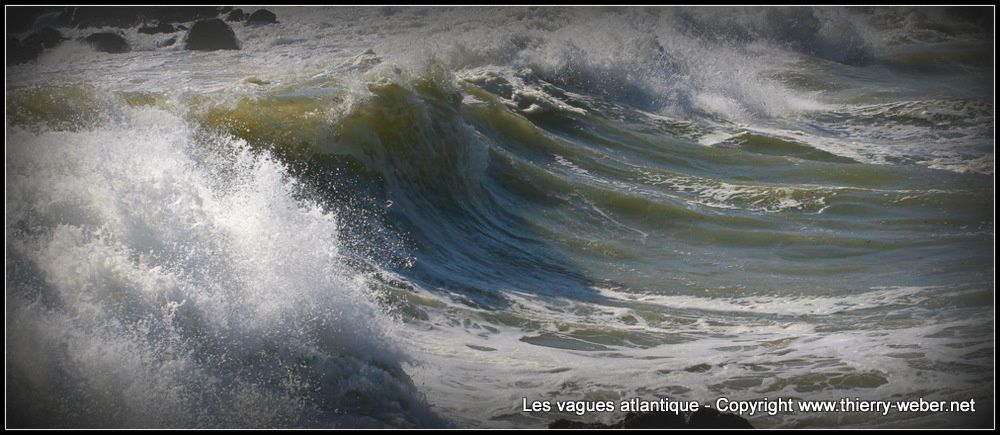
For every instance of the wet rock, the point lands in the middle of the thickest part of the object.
(209, 35)
(107, 42)
(704, 418)
(159, 28)
(235, 15)
(262, 16)
(28, 49)
(45, 38)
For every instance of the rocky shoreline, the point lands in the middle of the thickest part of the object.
(206, 28)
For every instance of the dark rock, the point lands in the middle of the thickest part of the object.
(45, 38)
(262, 16)
(18, 53)
(213, 34)
(107, 42)
(28, 49)
(235, 15)
(159, 28)
(708, 418)
(704, 418)
(182, 27)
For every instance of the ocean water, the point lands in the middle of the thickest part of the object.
(416, 217)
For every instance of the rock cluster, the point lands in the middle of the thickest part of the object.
(205, 26)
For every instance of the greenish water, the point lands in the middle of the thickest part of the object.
(562, 204)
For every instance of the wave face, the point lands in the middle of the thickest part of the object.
(160, 280)
(414, 217)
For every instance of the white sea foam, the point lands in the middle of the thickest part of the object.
(710, 347)
(158, 277)
(154, 283)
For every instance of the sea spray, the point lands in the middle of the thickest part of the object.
(145, 290)
(366, 216)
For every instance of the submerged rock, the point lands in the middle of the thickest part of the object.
(107, 42)
(210, 35)
(235, 15)
(262, 16)
(704, 418)
(159, 28)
